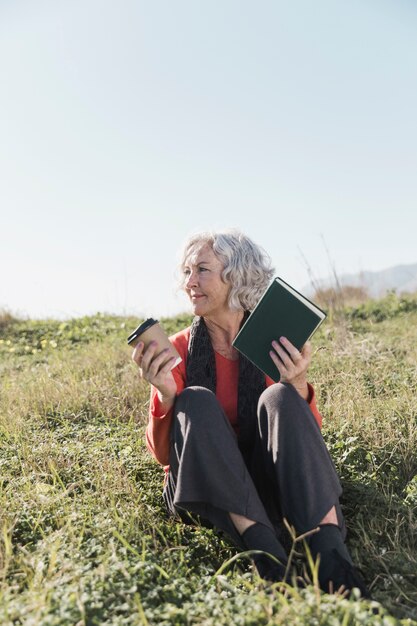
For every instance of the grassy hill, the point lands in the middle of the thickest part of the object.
(84, 537)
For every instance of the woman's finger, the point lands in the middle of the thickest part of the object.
(168, 366)
(148, 356)
(306, 351)
(291, 349)
(277, 360)
(137, 352)
(155, 365)
(283, 355)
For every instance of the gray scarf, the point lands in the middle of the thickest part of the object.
(201, 371)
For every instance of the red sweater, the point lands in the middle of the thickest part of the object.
(159, 425)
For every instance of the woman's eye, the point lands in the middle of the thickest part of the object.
(187, 271)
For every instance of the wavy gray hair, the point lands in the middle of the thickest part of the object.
(246, 266)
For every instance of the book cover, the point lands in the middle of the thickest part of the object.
(281, 312)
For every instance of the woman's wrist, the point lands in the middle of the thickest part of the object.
(166, 400)
(302, 388)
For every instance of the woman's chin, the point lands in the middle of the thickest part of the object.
(198, 307)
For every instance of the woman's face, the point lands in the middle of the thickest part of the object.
(204, 285)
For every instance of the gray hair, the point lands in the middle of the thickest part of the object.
(246, 266)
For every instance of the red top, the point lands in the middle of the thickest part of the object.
(159, 425)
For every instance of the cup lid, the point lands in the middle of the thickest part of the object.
(141, 329)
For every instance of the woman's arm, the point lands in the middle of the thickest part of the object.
(160, 420)
(166, 384)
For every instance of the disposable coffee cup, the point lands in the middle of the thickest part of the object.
(150, 330)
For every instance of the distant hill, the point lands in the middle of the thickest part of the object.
(401, 278)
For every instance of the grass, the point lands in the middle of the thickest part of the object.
(84, 538)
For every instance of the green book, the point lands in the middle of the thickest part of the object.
(281, 312)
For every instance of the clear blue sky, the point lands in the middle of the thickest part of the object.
(126, 126)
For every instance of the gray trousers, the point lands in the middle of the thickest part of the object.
(290, 473)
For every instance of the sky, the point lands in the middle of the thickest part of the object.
(126, 127)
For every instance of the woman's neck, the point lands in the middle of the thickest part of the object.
(222, 330)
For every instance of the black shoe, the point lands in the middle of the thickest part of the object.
(336, 573)
(271, 565)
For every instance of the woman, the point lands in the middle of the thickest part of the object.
(241, 451)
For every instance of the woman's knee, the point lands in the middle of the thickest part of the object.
(192, 397)
(197, 406)
(281, 405)
(279, 396)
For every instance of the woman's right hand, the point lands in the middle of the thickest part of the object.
(156, 371)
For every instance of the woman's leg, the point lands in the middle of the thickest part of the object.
(208, 477)
(291, 465)
(297, 480)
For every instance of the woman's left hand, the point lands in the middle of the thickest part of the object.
(292, 364)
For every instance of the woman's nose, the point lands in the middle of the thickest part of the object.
(192, 280)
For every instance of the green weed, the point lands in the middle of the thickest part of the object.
(85, 539)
